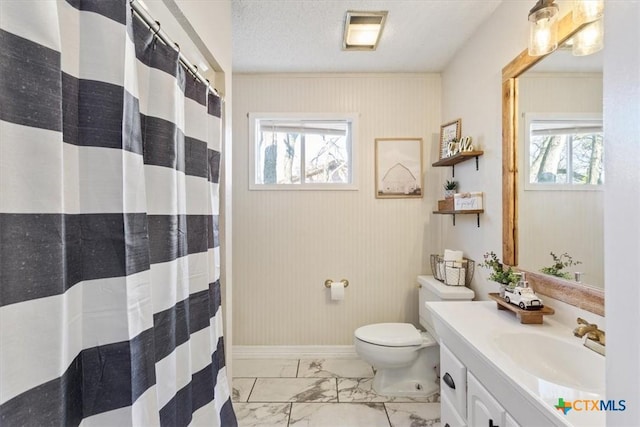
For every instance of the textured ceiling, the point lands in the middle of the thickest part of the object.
(306, 35)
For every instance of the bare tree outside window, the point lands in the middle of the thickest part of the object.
(290, 152)
(566, 152)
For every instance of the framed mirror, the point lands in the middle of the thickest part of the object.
(513, 182)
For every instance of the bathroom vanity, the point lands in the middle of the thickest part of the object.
(498, 372)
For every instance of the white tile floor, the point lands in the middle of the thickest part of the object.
(321, 392)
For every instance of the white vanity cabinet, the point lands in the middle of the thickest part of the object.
(464, 400)
(492, 386)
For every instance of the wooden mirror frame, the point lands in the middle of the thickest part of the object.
(573, 293)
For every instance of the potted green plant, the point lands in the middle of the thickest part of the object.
(450, 188)
(504, 275)
(560, 263)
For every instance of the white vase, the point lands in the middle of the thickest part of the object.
(502, 289)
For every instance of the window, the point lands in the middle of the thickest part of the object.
(302, 152)
(564, 151)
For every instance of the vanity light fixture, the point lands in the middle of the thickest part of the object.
(543, 28)
(362, 30)
(587, 10)
(590, 39)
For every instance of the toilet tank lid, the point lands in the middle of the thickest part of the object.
(390, 334)
(444, 292)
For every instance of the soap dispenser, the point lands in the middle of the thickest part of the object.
(523, 281)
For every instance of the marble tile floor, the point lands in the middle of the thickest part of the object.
(321, 392)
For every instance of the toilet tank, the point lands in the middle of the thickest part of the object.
(431, 289)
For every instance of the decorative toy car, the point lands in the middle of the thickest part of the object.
(523, 297)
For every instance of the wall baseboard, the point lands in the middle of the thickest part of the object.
(294, 352)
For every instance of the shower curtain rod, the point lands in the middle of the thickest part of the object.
(160, 33)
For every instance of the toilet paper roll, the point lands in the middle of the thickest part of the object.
(337, 291)
(454, 276)
(451, 255)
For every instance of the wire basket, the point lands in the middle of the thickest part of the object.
(453, 273)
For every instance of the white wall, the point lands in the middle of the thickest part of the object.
(287, 243)
(622, 204)
(471, 90)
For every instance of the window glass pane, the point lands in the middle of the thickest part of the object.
(278, 157)
(298, 152)
(588, 158)
(548, 159)
(566, 152)
(326, 158)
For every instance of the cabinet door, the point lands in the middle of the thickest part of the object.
(510, 422)
(449, 417)
(482, 410)
(453, 380)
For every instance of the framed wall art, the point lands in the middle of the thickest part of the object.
(398, 168)
(448, 132)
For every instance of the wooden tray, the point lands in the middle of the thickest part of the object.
(526, 316)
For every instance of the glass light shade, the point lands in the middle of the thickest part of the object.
(363, 34)
(587, 10)
(589, 40)
(543, 31)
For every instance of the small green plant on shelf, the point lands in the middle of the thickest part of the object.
(560, 263)
(450, 188)
(504, 276)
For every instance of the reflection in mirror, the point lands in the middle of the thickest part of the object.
(560, 141)
(572, 292)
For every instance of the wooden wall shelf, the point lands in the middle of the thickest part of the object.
(458, 158)
(454, 213)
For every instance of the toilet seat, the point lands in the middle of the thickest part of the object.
(390, 334)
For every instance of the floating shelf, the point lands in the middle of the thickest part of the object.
(454, 213)
(458, 158)
(525, 316)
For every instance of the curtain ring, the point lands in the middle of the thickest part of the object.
(195, 72)
(154, 40)
(177, 47)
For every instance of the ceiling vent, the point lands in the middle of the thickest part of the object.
(362, 30)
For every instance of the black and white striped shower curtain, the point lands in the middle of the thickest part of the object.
(110, 302)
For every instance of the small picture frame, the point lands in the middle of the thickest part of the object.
(398, 168)
(449, 131)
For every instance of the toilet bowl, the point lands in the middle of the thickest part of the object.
(407, 361)
(404, 358)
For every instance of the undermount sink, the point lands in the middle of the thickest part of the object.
(567, 363)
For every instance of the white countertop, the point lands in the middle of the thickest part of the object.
(472, 329)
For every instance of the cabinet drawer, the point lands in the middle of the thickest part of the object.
(453, 381)
(449, 417)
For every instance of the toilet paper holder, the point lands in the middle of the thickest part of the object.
(328, 282)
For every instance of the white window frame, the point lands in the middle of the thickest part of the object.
(352, 118)
(541, 186)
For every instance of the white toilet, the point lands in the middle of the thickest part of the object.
(406, 360)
